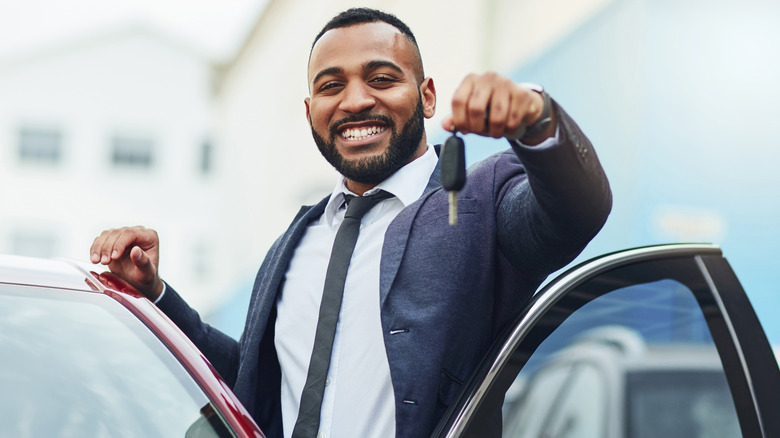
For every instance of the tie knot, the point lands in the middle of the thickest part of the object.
(358, 206)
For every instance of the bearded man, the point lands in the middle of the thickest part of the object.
(421, 300)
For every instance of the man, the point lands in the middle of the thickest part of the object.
(423, 300)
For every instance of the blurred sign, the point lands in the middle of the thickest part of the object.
(685, 224)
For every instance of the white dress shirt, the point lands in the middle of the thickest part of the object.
(358, 399)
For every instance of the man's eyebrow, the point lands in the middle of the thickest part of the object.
(373, 65)
(328, 71)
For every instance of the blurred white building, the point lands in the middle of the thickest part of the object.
(109, 130)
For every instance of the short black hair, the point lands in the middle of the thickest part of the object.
(354, 16)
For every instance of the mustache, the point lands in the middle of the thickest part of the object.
(334, 128)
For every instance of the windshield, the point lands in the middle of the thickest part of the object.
(78, 364)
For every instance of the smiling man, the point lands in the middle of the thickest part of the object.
(417, 301)
(366, 113)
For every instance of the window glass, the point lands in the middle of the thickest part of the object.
(528, 418)
(206, 157)
(634, 349)
(77, 364)
(132, 151)
(40, 145)
(681, 404)
(201, 255)
(580, 411)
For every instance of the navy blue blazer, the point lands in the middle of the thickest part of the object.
(445, 292)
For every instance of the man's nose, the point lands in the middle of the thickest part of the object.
(357, 98)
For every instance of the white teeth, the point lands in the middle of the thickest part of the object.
(361, 133)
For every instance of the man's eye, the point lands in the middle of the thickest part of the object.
(329, 86)
(382, 79)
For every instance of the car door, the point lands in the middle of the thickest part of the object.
(653, 341)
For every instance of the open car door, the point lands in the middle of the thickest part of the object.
(647, 342)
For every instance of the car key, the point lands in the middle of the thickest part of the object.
(453, 172)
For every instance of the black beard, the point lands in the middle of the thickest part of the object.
(373, 170)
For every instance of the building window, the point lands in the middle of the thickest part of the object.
(40, 145)
(129, 151)
(201, 257)
(206, 157)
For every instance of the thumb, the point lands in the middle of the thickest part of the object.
(447, 124)
(150, 284)
(140, 259)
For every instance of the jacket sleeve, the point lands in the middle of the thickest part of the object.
(220, 349)
(546, 218)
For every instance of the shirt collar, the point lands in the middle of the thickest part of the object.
(407, 183)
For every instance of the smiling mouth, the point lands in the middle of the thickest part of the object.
(361, 133)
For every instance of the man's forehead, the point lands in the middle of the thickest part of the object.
(376, 36)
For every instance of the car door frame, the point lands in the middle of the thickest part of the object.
(749, 363)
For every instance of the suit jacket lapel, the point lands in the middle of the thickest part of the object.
(266, 286)
(397, 235)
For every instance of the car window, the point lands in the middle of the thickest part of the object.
(642, 315)
(78, 364)
(687, 403)
(646, 367)
(544, 390)
(579, 412)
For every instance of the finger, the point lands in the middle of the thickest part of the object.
(526, 109)
(114, 248)
(101, 247)
(96, 249)
(533, 104)
(460, 101)
(479, 102)
(128, 238)
(499, 111)
(515, 114)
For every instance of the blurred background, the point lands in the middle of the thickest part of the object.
(188, 117)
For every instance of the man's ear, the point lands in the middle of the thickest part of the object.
(308, 116)
(428, 95)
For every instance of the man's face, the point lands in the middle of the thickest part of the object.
(366, 107)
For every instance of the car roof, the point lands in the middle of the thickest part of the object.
(626, 348)
(53, 273)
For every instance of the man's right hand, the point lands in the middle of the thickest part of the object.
(132, 253)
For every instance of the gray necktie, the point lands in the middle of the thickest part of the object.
(308, 421)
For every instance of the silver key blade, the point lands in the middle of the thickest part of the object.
(453, 208)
